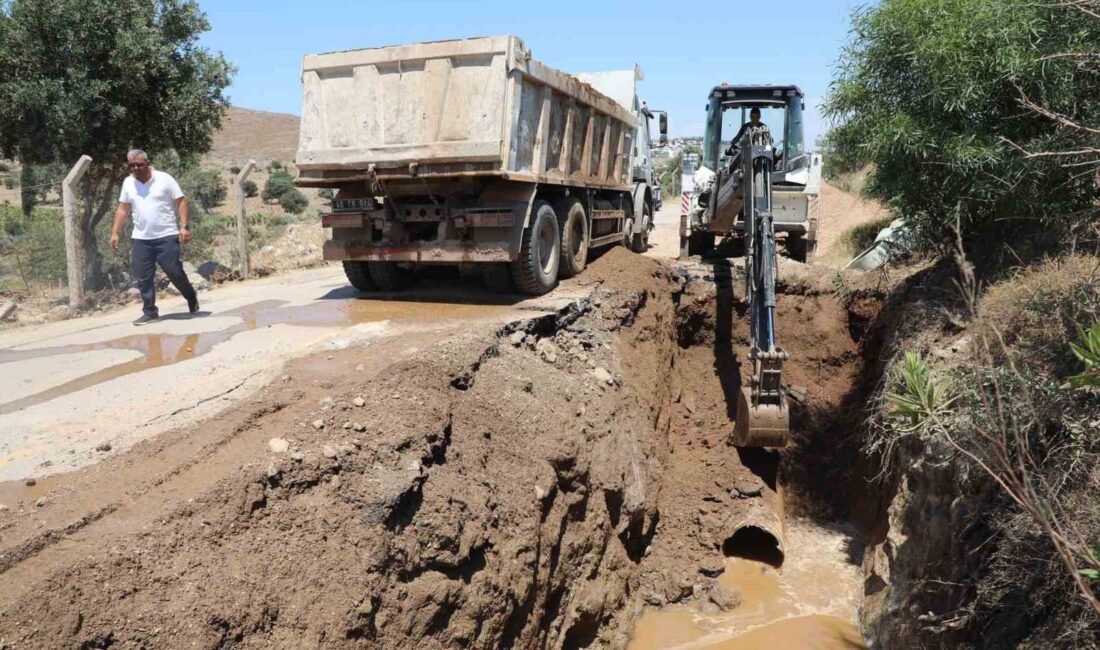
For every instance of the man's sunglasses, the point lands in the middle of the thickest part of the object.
(138, 165)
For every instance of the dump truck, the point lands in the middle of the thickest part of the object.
(467, 153)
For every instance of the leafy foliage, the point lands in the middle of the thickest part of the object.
(936, 94)
(919, 398)
(99, 77)
(250, 188)
(293, 201)
(1089, 354)
(277, 184)
(205, 187)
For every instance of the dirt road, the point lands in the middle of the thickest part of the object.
(70, 387)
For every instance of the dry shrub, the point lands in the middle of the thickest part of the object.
(1026, 452)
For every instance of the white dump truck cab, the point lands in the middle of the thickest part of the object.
(622, 86)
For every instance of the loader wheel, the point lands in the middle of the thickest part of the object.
(359, 276)
(497, 277)
(700, 243)
(535, 271)
(388, 276)
(798, 247)
(639, 243)
(574, 239)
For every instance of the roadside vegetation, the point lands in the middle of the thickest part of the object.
(975, 121)
(58, 100)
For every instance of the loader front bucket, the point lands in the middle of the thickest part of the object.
(762, 425)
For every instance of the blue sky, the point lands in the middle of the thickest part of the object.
(684, 47)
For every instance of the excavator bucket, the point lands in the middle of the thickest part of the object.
(761, 425)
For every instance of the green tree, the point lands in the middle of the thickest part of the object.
(99, 77)
(293, 201)
(974, 112)
(204, 186)
(250, 188)
(277, 184)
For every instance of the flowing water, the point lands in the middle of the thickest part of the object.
(810, 602)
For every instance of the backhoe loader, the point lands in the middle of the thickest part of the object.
(747, 192)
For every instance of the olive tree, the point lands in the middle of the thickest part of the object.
(974, 112)
(99, 77)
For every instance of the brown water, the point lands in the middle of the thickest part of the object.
(161, 349)
(809, 603)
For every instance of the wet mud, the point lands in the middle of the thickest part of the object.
(161, 348)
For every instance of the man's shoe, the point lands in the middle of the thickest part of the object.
(193, 307)
(146, 319)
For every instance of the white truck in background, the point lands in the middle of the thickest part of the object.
(622, 86)
(470, 153)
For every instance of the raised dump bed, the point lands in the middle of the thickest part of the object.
(480, 106)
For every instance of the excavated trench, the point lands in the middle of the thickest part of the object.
(565, 481)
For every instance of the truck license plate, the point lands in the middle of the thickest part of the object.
(356, 205)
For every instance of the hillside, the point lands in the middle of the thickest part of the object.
(260, 135)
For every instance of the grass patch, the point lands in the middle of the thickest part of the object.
(859, 238)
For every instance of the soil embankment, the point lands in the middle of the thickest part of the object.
(535, 485)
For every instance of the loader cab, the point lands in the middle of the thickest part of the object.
(781, 109)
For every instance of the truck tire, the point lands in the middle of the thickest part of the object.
(359, 276)
(497, 277)
(639, 243)
(388, 276)
(573, 234)
(535, 271)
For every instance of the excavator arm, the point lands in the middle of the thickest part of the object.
(763, 417)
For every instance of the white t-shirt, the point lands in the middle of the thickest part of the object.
(152, 204)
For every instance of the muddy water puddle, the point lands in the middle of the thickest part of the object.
(158, 348)
(811, 602)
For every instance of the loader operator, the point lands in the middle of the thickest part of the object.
(758, 131)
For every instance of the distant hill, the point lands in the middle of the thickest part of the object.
(259, 135)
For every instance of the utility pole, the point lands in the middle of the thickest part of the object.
(74, 251)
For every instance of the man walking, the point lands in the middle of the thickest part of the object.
(153, 198)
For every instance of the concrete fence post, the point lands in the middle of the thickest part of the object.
(242, 218)
(74, 251)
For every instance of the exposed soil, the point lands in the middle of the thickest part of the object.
(533, 486)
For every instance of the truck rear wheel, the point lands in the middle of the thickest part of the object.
(535, 271)
(639, 242)
(574, 239)
(359, 276)
(388, 276)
